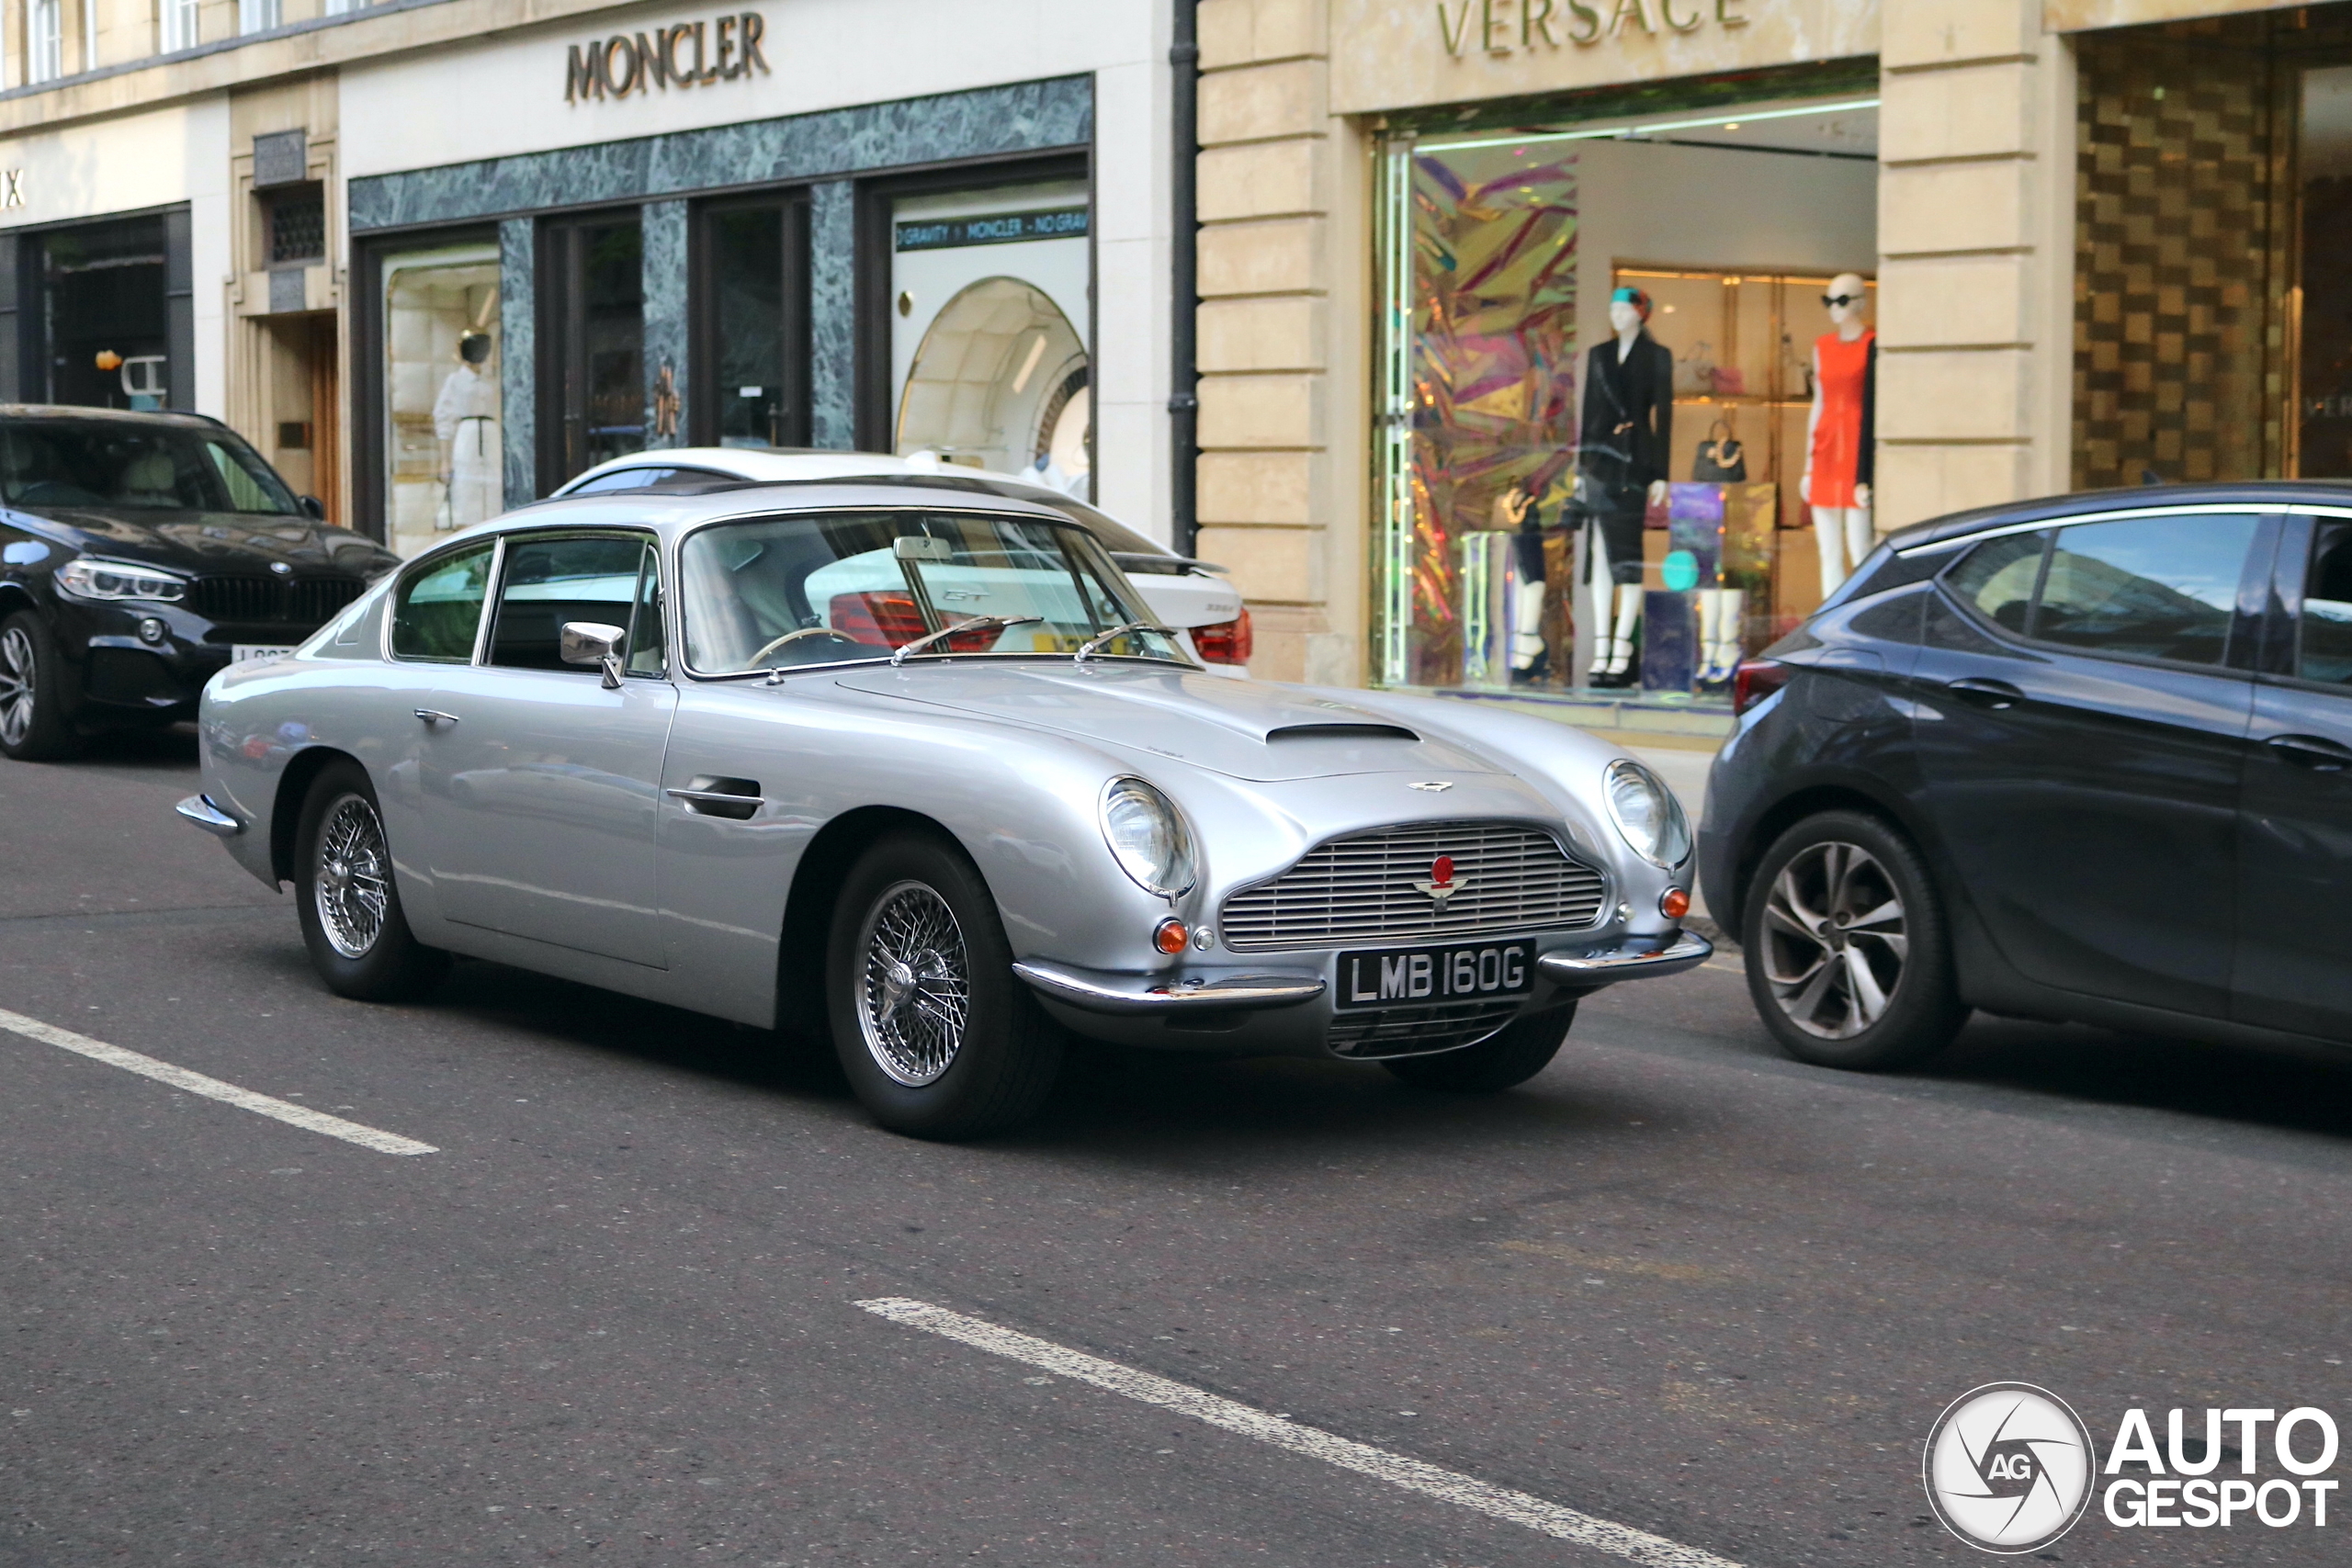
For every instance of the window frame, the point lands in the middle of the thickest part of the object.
(2283, 602)
(646, 539)
(2248, 636)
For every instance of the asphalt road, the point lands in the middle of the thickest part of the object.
(1678, 1283)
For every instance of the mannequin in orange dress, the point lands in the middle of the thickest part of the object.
(1839, 453)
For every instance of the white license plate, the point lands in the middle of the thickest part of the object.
(257, 652)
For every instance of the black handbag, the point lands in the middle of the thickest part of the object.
(1720, 460)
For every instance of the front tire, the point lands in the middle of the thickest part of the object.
(33, 723)
(938, 1037)
(1505, 1059)
(1849, 958)
(347, 899)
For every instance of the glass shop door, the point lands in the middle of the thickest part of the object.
(594, 379)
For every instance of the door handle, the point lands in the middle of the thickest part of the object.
(434, 716)
(739, 799)
(1994, 695)
(2317, 752)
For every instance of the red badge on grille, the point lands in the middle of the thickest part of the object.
(1442, 883)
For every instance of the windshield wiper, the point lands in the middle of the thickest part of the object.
(977, 624)
(1115, 634)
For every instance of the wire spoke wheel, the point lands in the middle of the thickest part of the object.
(354, 881)
(1834, 940)
(913, 984)
(17, 675)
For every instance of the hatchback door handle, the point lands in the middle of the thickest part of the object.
(434, 716)
(1994, 694)
(2313, 751)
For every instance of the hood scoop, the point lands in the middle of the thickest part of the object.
(1245, 729)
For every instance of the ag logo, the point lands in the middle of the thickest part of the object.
(2010, 1467)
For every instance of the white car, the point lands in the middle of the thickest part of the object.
(1195, 597)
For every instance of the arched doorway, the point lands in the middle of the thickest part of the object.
(1001, 381)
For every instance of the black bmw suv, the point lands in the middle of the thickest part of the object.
(139, 553)
(2085, 758)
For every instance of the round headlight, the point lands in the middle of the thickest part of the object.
(1147, 836)
(1647, 814)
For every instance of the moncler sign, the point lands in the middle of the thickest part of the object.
(685, 54)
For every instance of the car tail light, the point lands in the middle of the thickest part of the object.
(894, 620)
(1755, 680)
(1228, 642)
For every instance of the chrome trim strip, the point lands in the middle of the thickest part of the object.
(1097, 992)
(199, 809)
(1938, 547)
(1688, 951)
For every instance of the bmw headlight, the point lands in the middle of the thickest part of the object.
(88, 577)
(1147, 836)
(1647, 814)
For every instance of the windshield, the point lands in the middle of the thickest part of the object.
(65, 462)
(830, 587)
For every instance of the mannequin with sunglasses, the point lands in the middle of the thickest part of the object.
(1839, 446)
(1627, 432)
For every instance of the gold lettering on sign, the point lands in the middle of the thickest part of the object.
(1485, 26)
(640, 62)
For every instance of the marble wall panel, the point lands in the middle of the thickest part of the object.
(517, 356)
(833, 315)
(666, 331)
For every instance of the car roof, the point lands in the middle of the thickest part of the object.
(670, 513)
(2260, 494)
(117, 416)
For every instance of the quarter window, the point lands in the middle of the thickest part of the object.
(439, 607)
(1997, 579)
(2325, 641)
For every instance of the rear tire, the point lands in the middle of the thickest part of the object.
(938, 1036)
(347, 898)
(1849, 957)
(1503, 1060)
(34, 726)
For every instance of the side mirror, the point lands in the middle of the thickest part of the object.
(592, 644)
(313, 507)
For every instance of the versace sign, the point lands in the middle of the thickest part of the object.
(687, 54)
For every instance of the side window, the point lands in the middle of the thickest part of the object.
(550, 580)
(1997, 579)
(2324, 652)
(2145, 587)
(438, 607)
(647, 654)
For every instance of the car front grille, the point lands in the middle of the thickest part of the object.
(1361, 889)
(1416, 1030)
(304, 601)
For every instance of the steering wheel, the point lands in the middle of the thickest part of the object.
(788, 639)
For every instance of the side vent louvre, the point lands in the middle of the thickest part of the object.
(1342, 732)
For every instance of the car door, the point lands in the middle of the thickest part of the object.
(541, 780)
(2081, 708)
(2295, 918)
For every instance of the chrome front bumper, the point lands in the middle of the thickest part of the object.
(1642, 961)
(1095, 991)
(199, 809)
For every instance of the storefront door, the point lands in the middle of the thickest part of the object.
(751, 355)
(594, 369)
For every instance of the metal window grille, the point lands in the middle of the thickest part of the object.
(297, 226)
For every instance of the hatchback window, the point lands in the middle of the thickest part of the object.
(1997, 579)
(2145, 587)
(549, 582)
(439, 607)
(2325, 652)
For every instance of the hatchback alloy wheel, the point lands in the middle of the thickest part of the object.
(914, 985)
(19, 674)
(353, 885)
(1835, 942)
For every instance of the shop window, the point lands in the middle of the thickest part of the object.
(297, 225)
(106, 315)
(594, 317)
(989, 366)
(1536, 519)
(751, 355)
(444, 456)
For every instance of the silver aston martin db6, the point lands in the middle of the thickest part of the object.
(911, 770)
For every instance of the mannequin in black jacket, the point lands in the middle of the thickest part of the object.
(1622, 452)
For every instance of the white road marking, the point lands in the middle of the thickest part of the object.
(212, 1089)
(1450, 1486)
